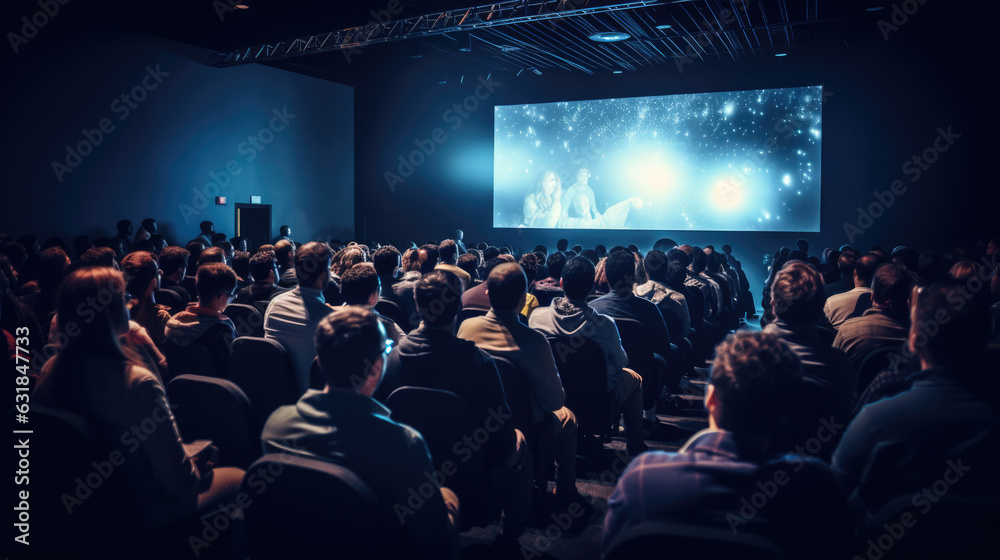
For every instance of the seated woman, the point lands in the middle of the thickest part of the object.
(579, 215)
(95, 377)
(541, 206)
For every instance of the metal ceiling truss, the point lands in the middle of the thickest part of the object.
(476, 18)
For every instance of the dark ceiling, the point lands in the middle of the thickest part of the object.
(734, 30)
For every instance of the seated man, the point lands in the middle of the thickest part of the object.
(203, 322)
(432, 356)
(284, 252)
(360, 286)
(715, 479)
(292, 317)
(572, 316)
(476, 297)
(142, 278)
(340, 423)
(886, 323)
(842, 306)
(944, 423)
(621, 303)
(797, 299)
(671, 302)
(501, 333)
(173, 268)
(448, 260)
(264, 270)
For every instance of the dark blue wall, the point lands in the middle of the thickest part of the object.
(184, 143)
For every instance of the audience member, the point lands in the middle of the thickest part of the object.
(264, 272)
(360, 287)
(886, 323)
(709, 480)
(572, 316)
(843, 306)
(204, 322)
(340, 423)
(292, 317)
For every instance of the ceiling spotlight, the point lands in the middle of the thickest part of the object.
(609, 36)
(536, 71)
(781, 54)
(616, 71)
(664, 26)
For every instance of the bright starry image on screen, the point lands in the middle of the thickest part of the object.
(740, 161)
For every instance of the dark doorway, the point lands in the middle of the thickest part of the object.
(253, 221)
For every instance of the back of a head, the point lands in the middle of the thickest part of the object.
(948, 328)
(346, 258)
(194, 248)
(95, 327)
(755, 376)
(698, 261)
(448, 251)
(591, 255)
(52, 264)
(284, 231)
(490, 253)
(555, 264)
(348, 342)
(386, 260)
(802, 245)
(541, 249)
(312, 261)
(124, 227)
(892, 285)
(173, 258)
(562, 245)
(207, 227)
(656, 265)
(432, 258)
(469, 262)
(727, 249)
(489, 265)
(619, 268)
(506, 285)
(528, 262)
(284, 251)
(680, 256)
(797, 293)
(845, 263)
(214, 279)
(241, 264)
(359, 283)
(578, 278)
(577, 249)
(149, 224)
(865, 267)
(139, 268)
(438, 295)
(262, 265)
(664, 244)
(212, 254)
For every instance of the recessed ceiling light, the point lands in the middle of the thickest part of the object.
(664, 26)
(616, 71)
(609, 36)
(781, 54)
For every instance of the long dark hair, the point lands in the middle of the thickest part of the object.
(91, 314)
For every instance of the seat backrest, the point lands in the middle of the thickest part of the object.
(638, 345)
(301, 505)
(246, 318)
(78, 486)
(171, 299)
(955, 526)
(193, 359)
(445, 421)
(581, 366)
(689, 541)
(518, 392)
(872, 364)
(262, 368)
(390, 309)
(674, 323)
(470, 312)
(814, 403)
(217, 410)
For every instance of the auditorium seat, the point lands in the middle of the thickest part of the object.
(213, 409)
(262, 368)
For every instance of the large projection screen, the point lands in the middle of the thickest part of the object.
(736, 161)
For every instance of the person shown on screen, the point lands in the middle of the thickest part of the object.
(542, 207)
(580, 215)
(580, 187)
